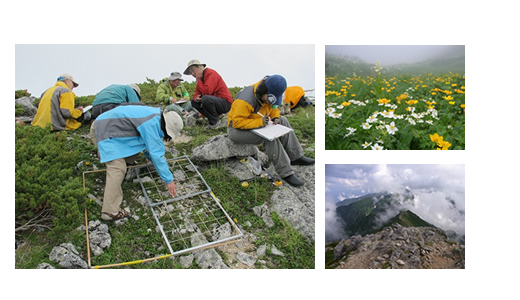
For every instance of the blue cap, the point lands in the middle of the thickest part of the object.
(276, 86)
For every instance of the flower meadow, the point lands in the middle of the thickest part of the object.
(398, 112)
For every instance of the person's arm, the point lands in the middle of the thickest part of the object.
(150, 132)
(67, 106)
(243, 116)
(162, 94)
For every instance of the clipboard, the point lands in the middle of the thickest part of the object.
(272, 131)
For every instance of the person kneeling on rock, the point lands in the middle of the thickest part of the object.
(253, 107)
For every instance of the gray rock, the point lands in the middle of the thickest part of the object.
(67, 257)
(339, 250)
(99, 238)
(44, 266)
(221, 147)
(28, 105)
(246, 259)
(277, 252)
(186, 261)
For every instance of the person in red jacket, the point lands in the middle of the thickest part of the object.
(212, 97)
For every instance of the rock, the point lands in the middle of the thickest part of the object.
(221, 147)
(67, 257)
(275, 251)
(186, 261)
(246, 259)
(296, 205)
(44, 266)
(28, 105)
(99, 238)
(260, 251)
(263, 212)
(339, 250)
(400, 262)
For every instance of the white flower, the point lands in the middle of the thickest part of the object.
(388, 114)
(429, 122)
(372, 119)
(335, 115)
(366, 126)
(391, 128)
(366, 144)
(350, 131)
(377, 147)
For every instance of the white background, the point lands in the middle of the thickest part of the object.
(491, 135)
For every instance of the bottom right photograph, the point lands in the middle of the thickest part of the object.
(395, 216)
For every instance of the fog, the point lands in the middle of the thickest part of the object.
(439, 191)
(394, 54)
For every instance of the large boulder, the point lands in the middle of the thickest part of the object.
(28, 105)
(221, 147)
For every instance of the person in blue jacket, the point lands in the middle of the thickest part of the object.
(113, 95)
(122, 133)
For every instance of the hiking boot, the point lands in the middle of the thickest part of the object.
(303, 161)
(293, 180)
(122, 214)
(214, 126)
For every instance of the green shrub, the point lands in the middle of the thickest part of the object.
(47, 192)
(21, 93)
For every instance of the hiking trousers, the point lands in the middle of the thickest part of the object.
(211, 107)
(116, 171)
(281, 151)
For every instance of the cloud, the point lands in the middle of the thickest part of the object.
(439, 190)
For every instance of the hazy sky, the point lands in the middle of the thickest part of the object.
(430, 184)
(387, 54)
(97, 66)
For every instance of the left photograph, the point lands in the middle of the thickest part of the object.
(164, 156)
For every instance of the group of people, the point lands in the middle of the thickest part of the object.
(122, 127)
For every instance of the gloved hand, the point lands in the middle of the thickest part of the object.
(276, 121)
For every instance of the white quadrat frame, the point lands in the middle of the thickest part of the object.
(192, 219)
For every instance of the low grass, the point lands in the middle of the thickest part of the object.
(138, 238)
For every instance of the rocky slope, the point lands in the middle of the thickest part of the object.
(399, 247)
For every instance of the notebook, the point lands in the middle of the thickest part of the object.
(272, 131)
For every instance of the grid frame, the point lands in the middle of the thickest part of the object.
(192, 220)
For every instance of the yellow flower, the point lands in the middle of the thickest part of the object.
(435, 137)
(346, 103)
(353, 95)
(411, 102)
(383, 101)
(245, 184)
(463, 106)
(434, 93)
(452, 102)
(278, 183)
(448, 98)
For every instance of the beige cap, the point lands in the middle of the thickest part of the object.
(174, 124)
(136, 88)
(68, 76)
(191, 63)
(175, 76)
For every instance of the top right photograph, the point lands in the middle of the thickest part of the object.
(395, 97)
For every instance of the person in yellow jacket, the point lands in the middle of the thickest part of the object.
(57, 107)
(254, 107)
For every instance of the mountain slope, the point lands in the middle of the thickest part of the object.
(371, 212)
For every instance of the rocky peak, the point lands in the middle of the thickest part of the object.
(399, 247)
